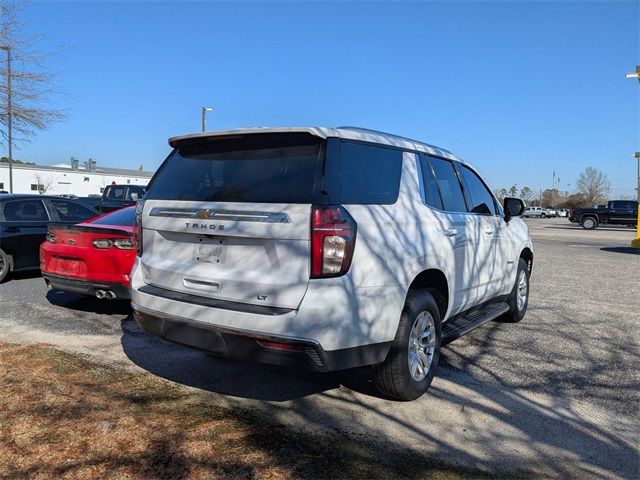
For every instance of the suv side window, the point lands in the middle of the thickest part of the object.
(72, 211)
(481, 199)
(431, 192)
(448, 184)
(25, 211)
(369, 174)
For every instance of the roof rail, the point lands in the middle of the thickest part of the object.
(400, 137)
(379, 132)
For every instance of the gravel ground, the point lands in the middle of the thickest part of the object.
(555, 395)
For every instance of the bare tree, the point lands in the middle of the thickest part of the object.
(526, 194)
(594, 185)
(513, 191)
(44, 183)
(500, 193)
(33, 85)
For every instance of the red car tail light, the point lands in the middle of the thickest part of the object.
(333, 237)
(102, 243)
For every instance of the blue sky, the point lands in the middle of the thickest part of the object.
(519, 89)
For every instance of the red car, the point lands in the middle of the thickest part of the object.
(94, 257)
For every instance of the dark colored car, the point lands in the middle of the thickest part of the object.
(616, 212)
(23, 226)
(93, 257)
(115, 197)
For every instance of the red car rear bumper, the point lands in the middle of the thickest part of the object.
(88, 287)
(87, 269)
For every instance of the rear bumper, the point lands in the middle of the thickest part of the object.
(257, 347)
(87, 287)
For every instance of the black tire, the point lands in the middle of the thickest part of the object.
(543, 215)
(589, 223)
(516, 313)
(5, 265)
(393, 376)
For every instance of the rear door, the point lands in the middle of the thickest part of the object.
(622, 211)
(229, 218)
(23, 231)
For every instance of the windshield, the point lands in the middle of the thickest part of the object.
(256, 168)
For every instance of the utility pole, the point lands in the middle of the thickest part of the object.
(553, 192)
(7, 48)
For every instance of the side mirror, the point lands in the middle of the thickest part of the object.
(513, 207)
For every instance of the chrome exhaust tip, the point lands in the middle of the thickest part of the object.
(101, 294)
(111, 294)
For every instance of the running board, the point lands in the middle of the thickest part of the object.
(458, 327)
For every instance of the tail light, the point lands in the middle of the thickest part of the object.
(333, 237)
(137, 231)
(120, 243)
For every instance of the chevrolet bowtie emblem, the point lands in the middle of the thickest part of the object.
(203, 213)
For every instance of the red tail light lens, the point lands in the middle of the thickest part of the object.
(137, 231)
(333, 237)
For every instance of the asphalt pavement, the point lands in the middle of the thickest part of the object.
(554, 395)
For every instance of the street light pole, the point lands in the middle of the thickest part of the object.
(204, 117)
(636, 243)
(7, 48)
(637, 155)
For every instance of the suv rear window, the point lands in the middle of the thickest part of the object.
(256, 168)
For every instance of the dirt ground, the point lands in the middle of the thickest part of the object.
(63, 416)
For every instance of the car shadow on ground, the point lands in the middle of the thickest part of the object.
(199, 369)
(631, 250)
(23, 275)
(86, 303)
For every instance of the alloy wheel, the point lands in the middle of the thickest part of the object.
(422, 344)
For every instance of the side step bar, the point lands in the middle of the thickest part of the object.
(454, 329)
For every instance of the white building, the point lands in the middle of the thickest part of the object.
(72, 178)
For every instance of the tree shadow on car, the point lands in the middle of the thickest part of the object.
(631, 250)
(86, 303)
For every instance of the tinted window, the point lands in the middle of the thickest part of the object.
(432, 194)
(624, 205)
(72, 211)
(124, 217)
(481, 199)
(25, 211)
(449, 185)
(137, 191)
(252, 168)
(116, 193)
(369, 174)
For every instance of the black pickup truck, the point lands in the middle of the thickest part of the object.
(115, 197)
(616, 212)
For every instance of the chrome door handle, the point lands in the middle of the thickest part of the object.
(450, 232)
(489, 232)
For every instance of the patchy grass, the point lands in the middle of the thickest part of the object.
(62, 416)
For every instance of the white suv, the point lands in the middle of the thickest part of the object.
(326, 249)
